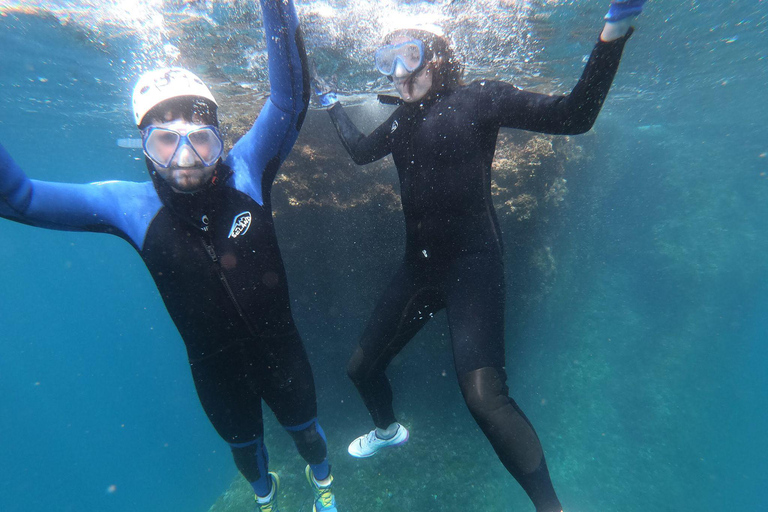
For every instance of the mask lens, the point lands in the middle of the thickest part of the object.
(160, 145)
(385, 60)
(207, 144)
(409, 54)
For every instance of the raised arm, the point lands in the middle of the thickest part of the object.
(569, 114)
(267, 144)
(122, 208)
(575, 112)
(362, 149)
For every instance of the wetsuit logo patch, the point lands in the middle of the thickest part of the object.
(394, 126)
(240, 225)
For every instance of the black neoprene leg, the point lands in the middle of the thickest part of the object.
(510, 433)
(252, 460)
(476, 317)
(230, 394)
(289, 390)
(232, 383)
(403, 309)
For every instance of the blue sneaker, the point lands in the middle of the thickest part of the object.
(269, 503)
(324, 499)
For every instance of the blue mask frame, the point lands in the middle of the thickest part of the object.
(183, 139)
(387, 57)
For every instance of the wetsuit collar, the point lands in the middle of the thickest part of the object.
(387, 99)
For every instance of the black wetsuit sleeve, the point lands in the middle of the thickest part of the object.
(362, 149)
(507, 106)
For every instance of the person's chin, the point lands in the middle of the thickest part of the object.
(188, 181)
(409, 96)
(406, 97)
(187, 187)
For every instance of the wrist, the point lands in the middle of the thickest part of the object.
(328, 99)
(615, 30)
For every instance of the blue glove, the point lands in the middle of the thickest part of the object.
(621, 9)
(325, 91)
(326, 98)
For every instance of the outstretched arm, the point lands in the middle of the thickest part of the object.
(121, 208)
(362, 149)
(575, 112)
(267, 144)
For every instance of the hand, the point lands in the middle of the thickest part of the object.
(325, 92)
(327, 99)
(622, 9)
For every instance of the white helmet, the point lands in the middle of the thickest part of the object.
(159, 85)
(432, 28)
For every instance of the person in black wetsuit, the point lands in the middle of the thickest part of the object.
(442, 138)
(203, 226)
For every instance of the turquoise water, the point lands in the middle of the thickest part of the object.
(642, 368)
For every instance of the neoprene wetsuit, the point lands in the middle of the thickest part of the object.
(214, 257)
(443, 148)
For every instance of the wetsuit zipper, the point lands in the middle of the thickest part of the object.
(410, 126)
(220, 271)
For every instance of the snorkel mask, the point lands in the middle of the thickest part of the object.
(409, 55)
(161, 144)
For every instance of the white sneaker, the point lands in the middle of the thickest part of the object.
(370, 443)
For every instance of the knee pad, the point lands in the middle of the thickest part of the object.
(310, 442)
(251, 459)
(485, 391)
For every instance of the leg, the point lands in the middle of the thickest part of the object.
(476, 319)
(231, 398)
(289, 390)
(404, 308)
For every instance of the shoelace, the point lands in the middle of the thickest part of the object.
(371, 438)
(324, 496)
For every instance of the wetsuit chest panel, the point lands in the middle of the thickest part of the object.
(223, 279)
(443, 153)
(448, 132)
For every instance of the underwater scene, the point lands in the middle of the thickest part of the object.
(635, 263)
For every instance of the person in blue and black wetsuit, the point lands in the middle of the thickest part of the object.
(442, 138)
(203, 226)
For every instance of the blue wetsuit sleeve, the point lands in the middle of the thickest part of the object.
(257, 156)
(504, 105)
(362, 149)
(122, 208)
